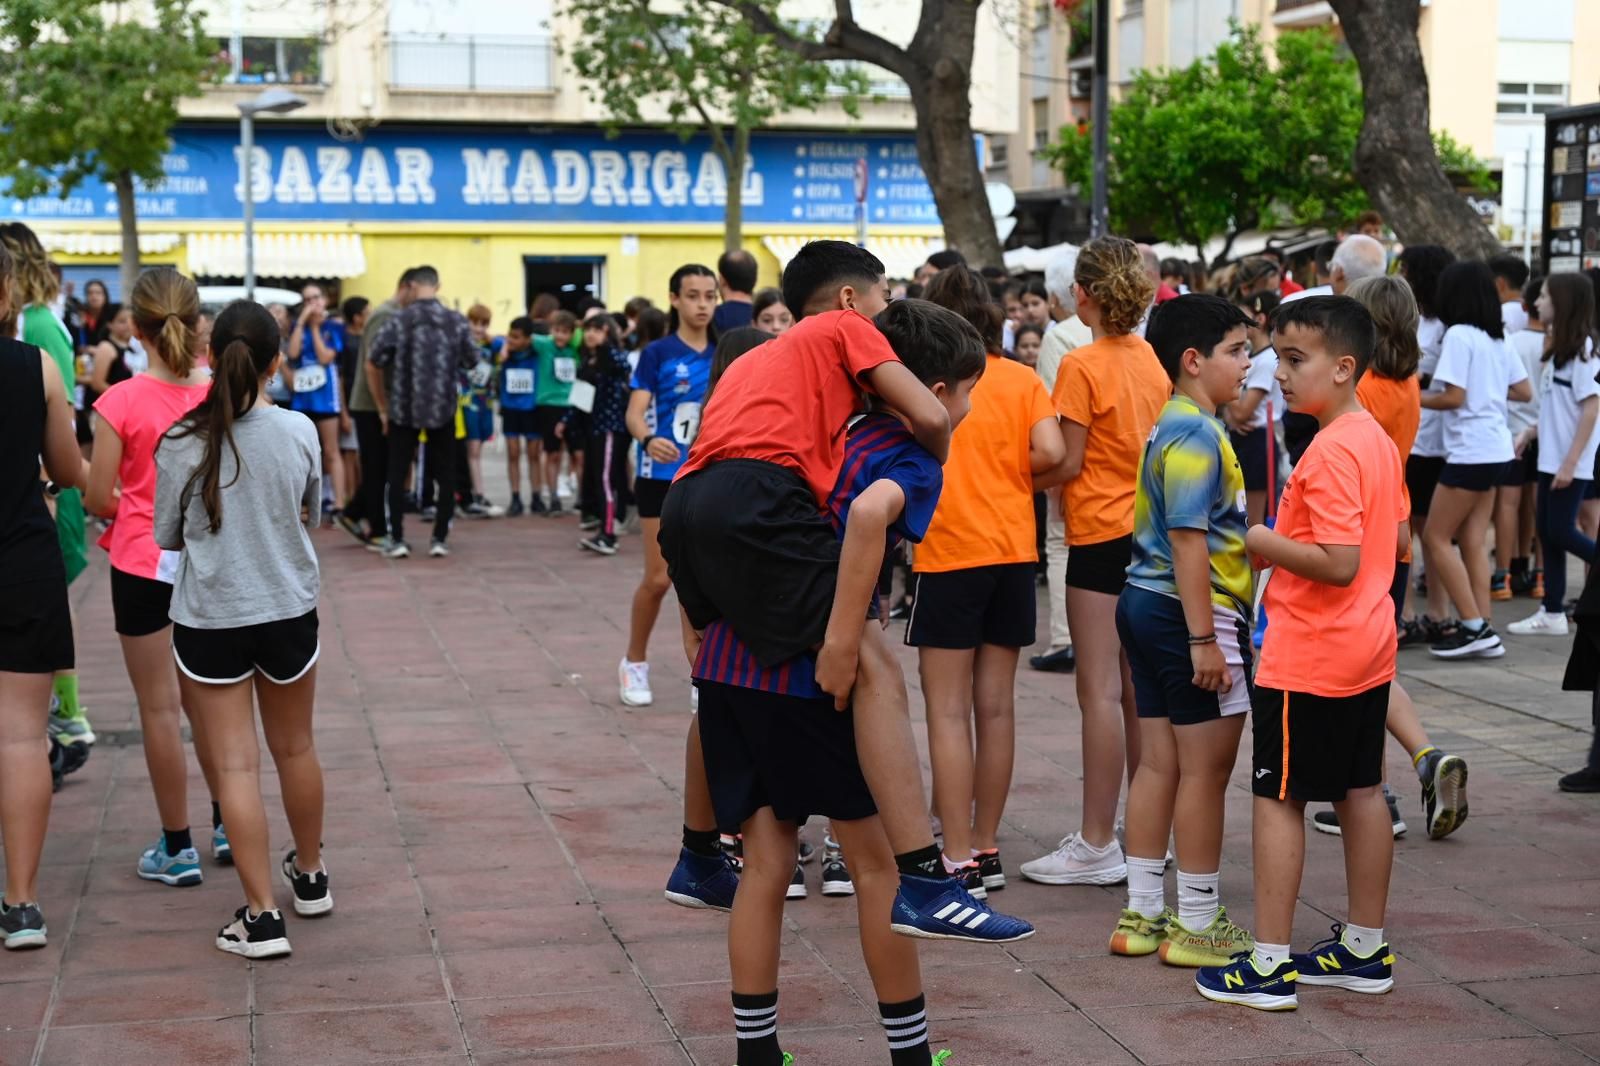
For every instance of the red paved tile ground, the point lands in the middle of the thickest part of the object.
(499, 832)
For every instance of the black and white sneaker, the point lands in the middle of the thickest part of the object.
(1464, 643)
(797, 884)
(600, 544)
(396, 549)
(970, 879)
(989, 868)
(438, 550)
(1328, 821)
(835, 875)
(312, 896)
(22, 926)
(261, 937)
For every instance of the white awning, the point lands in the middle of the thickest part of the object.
(279, 255)
(1031, 260)
(901, 256)
(81, 243)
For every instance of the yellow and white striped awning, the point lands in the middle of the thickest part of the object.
(901, 256)
(77, 242)
(279, 255)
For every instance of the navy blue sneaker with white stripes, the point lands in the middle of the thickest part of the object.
(939, 908)
(702, 882)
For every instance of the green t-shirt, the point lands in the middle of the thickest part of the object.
(557, 371)
(41, 327)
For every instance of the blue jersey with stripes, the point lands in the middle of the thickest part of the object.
(519, 380)
(316, 387)
(676, 376)
(878, 448)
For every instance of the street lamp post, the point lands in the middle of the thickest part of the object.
(272, 101)
(1099, 211)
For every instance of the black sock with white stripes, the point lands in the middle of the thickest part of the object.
(756, 1020)
(906, 1025)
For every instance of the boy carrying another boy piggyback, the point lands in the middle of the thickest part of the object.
(1322, 691)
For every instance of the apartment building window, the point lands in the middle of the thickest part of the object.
(270, 60)
(1041, 125)
(1530, 98)
(999, 151)
(494, 64)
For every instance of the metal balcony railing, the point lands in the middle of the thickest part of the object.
(500, 64)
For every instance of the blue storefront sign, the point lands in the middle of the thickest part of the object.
(490, 174)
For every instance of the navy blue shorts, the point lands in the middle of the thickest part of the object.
(479, 419)
(969, 608)
(1155, 637)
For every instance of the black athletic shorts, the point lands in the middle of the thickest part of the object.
(745, 541)
(320, 416)
(795, 755)
(649, 493)
(1397, 591)
(519, 423)
(281, 651)
(1473, 477)
(1523, 471)
(1100, 567)
(1155, 636)
(1422, 477)
(968, 608)
(547, 418)
(139, 605)
(35, 627)
(1317, 748)
(1251, 451)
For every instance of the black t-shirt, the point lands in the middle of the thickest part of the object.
(28, 547)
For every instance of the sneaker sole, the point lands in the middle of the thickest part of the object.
(184, 880)
(1258, 1000)
(795, 892)
(307, 908)
(1123, 945)
(1480, 649)
(995, 882)
(266, 949)
(223, 857)
(1112, 876)
(838, 888)
(694, 903)
(1450, 790)
(1331, 830)
(635, 701)
(26, 940)
(596, 548)
(1193, 958)
(1367, 986)
(923, 934)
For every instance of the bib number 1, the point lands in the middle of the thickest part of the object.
(685, 422)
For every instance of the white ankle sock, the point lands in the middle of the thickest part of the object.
(1267, 957)
(1472, 625)
(1362, 940)
(1197, 900)
(950, 865)
(1147, 887)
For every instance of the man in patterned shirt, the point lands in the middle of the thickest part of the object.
(423, 348)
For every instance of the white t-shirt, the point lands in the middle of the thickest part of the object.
(1263, 376)
(1476, 432)
(1563, 393)
(1430, 430)
(1513, 317)
(1529, 347)
(1315, 290)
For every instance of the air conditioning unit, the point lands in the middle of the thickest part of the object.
(1082, 86)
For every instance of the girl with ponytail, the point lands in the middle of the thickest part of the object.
(131, 417)
(238, 480)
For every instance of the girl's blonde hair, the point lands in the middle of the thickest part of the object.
(1393, 307)
(166, 308)
(33, 282)
(1112, 271)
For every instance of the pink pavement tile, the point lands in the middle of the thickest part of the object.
(1507, 953)
(1042, 1039)
(660, 1054)
(357, 1036)
(562, 1020)
(1556, 1005)
(298, 983)
(503, 972)
(1586, 935)
(1444, 910)
(350, 934)
(528, 926)
(1419, 1015)
(1201, 1029)
(655, 919)
(98, 999)
(1588, 1043)
(149, 951)
(221, 1042)
(17, 1045)
(1524, 1052)
(1546, 902)
(488, 890)
(803, 1002)
(698, 959)
(1115, 981)
(978, 989)
(26, 1002)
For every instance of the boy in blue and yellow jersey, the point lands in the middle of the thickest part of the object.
(1184, 620)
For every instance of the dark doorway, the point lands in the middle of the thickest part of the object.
(569, 278)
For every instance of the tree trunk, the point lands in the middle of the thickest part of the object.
(733, 213)
(1395, 158)
(127, 215)
(949, 156)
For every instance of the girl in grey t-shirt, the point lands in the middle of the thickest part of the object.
(238, 480)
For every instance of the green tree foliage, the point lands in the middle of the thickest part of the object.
(700, 67)
(1237, 141)
(89, 91)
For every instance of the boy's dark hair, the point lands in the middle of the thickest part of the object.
(1511, 267)
(1421, 265)
(964, 291)
(1530, 296)
(1345, 325)
(934, 343)
(1322, 255)
(820, 269)
(738, 269)
(1467, 297)
(651, 326)
(1195, 320)
(407, 276)
(353, 307)
(1174, 268)
(564, 320)
(425, 275)
(946, 259)
(522, 324)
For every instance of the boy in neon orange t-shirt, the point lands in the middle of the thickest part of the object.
(1322, 690)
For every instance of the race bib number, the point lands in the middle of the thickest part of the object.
(78, 397)
(137, 360)
(566, 371)
(685, 422)
(519, 382)
(310, 378)
(479, 375)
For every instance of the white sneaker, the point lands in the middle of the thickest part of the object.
(1540, 623)
(634, 681)
(1074, 863)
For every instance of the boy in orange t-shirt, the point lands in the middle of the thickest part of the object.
(1322, 690)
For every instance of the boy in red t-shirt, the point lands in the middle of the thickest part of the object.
(1322, 690)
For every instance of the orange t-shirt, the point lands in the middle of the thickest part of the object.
(1116, 387)
(985, 514)
(1347, 489)
(1397, 405)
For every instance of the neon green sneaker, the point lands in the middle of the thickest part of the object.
(940, 1058)
(1137, 935)
(69, 728)
(1216, 945)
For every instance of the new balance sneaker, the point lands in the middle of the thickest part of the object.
(1215, 945)
(1464, 643)
(1540, 623)
(634, 681)
(69, 728)
(1333, 963)
(22, 926)
(835, 875)
(938, 908)
(1137, 935)
(261, 937)
(180, 870)
(1075, 863)
(797, 884)
(221, 850)
(395, 549)
(702, 882)
(1240, 982)
(1444, 793)
(438, 549)
(994, 875)
(312, 895)
(600, 544)
(971, 878)
(1328, 821)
